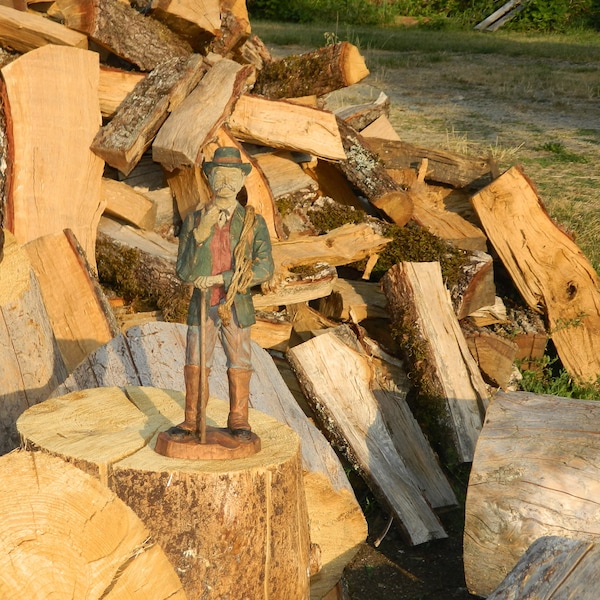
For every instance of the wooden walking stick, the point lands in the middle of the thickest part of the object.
(202, 384)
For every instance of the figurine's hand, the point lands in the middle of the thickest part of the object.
(209, 218)
(208, 281)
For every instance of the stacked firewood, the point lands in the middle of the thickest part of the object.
(109, 109)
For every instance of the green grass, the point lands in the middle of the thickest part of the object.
(583, 47)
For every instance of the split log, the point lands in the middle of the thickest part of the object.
(334, 184)
(341, 246)
(79, 313)
(354, 301)
(339, 384)
(286, 178)
(254, 52)
(122, 30)
(476, 287)
(547, 267)
(429, 212)
(197, 119)
(421, 309)
(381, 128)
(360, 116)
(450, 168)
(253, 540)
(114, 86)
(65, 534)
(31, 365)
(129, 134)
(535, 473)
(154, 355)
(311, 283)
(195, 22)
(124, 203)
(272, 331)
(16, 4)
(286, 125)
(494, 354)
(235, 28)
(364, 171)
(307, 322)
(24, 31)
(317, 73)
(553, 567)
(53, 110)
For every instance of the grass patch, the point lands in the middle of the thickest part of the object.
(583, 48)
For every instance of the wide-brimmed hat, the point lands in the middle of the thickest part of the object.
(226, 157)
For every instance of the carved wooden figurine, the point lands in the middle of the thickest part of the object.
(224, 250)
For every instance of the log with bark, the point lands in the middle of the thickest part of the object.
(50, 141)
(360, 116)
(364, 421)
(535, 473)
(224, 525)
(123, 140)
(31, 364)
(456, 170)
(122, 30)
(153, 355)
(366, 173)
(64, 534)
(317, 73)
(547, 267)
(443, 367)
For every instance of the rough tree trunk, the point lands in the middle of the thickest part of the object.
(236, 527)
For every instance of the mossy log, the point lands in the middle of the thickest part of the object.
(234, 528)
(365, 171)
(317, 73)
(445, 372)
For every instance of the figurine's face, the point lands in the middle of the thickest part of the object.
(226, 182)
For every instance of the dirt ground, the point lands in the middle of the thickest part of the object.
(542, 114)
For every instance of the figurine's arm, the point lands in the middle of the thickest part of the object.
(262, 258)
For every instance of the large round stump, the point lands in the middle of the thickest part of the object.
(65, 535)
(536, 473)
(231, 528)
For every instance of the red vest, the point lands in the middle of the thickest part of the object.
(220, 250)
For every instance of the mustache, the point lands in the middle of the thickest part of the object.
(223, 186)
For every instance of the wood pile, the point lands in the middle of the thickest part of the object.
(408, 280)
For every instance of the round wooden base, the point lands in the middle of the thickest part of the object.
(220, 444)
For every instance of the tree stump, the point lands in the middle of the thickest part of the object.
(535, 473)
(235, 528)
(65, 535)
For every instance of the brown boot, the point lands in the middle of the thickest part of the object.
(191, 375)
(239, 394)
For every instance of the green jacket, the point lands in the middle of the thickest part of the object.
(194, 260)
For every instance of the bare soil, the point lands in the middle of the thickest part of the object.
(542, 114)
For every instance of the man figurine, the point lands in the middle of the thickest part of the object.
(224, 249)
